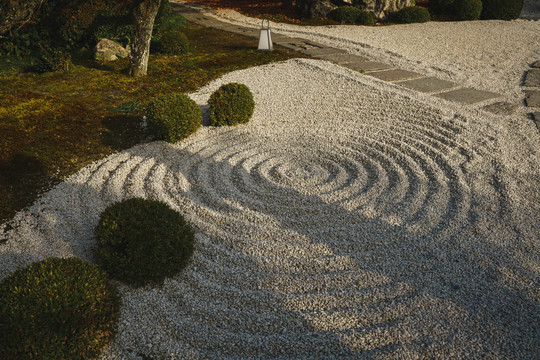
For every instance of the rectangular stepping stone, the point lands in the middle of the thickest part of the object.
(532, 78)
(532, 98)
(467, 96)
(395, 75)
(368, 66)
(501, 108)
(342, 58)
(322, 51)
(428, 84)
(536, 119)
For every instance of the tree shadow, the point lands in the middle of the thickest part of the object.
(124, 131)
(354, 286)
(18, 176)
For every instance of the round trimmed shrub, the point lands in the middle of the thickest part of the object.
(412, 14)
(57, 309)
(143, 241)
(231, 104)
(351, 15)
(173, 117)
(468, 9)
(173, 42)
(501, 9)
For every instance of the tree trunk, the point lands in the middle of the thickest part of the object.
(144, 14)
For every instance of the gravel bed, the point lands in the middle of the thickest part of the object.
(487, 55)
(348, 219)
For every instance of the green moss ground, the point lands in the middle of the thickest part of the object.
(53, 124)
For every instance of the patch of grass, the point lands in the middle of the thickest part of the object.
(53, 124)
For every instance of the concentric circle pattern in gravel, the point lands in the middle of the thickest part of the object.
(348, 219)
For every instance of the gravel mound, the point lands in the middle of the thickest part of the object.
(487, 55)
(348, 219)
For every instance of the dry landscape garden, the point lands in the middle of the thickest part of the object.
(368, 189)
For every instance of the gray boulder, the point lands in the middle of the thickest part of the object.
(315, 8)
(109, 50)
(379, 8)
(382, 8)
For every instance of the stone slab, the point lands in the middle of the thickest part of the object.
(536, 119)
(342, 58)
(501, 108)
(428, 84)
(289, 40)
(532, 98)
(532, 78)
(322, 51)
(395, 75)
(467, 96)
(368, 66)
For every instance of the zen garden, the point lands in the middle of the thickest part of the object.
(263, 179)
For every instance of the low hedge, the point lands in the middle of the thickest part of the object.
(468, 9)
(412, 14)
(351, 15)
(501, 9)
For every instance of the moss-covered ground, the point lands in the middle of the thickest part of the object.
(53, 124)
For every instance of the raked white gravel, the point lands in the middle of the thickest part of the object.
(348, 219)
(486, 55)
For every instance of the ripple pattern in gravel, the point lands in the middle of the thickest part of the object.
(348, 219)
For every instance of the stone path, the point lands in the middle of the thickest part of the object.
(532, 92)
(441, 88)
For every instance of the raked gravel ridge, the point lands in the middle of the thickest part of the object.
(348, 219)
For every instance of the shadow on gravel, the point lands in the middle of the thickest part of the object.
(454, 302)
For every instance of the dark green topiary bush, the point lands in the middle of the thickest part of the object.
(352, 15)
(444, 7)
(173, 117)
(411, 15)
(468, 9)
(173, 42)
(57, 309)
(143, 241)
(173, 22)
(501, 9)
(231, 104)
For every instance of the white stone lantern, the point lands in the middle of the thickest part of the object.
(265, 37)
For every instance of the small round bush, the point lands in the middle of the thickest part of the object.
(173, 42)
(173, 117)
(57, 309)
(142, 242)
(501, 9)
(412, 14)
(351, 15)
(231, 104)
(468, 9)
